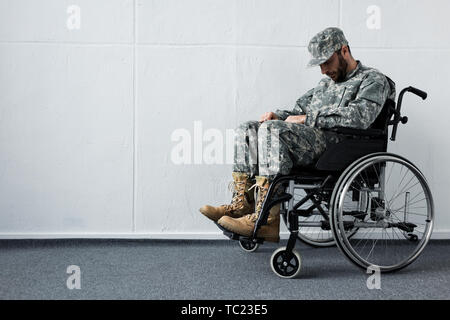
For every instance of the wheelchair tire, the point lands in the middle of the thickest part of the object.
(248, 246)
(284, 264)
(392, 233)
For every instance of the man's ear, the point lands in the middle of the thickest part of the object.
(344, 51)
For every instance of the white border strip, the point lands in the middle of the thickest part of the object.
(438, 234)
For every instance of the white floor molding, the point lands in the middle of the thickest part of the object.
(437, 234)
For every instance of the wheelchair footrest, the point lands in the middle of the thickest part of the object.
(234, 236)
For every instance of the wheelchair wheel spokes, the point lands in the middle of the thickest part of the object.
(310, 230)
(314, 229)
(313, 226)
(399, 217)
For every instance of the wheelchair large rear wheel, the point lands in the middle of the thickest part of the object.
(317, 236)
(315, 230)
(399, 219)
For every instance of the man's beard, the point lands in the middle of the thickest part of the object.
(342, 69)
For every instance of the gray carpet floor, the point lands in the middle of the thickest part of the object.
(175, 269)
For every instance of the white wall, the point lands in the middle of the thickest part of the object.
(87, 115)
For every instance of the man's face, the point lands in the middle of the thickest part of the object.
(335, 67)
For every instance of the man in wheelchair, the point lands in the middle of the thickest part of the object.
(350, 96)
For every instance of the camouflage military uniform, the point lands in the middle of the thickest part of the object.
(275, 146)
(354, 102)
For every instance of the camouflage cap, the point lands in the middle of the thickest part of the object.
(324, 44)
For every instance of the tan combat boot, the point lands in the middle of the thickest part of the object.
(245, 225)
(243, 201)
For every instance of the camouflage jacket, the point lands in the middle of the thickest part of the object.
(353, 103)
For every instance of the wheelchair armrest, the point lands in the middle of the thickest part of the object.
(371, 133)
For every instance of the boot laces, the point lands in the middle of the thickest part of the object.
(261, 196)
(238, 189)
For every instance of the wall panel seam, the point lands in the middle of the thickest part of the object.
(133, 208)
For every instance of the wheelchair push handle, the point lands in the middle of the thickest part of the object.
(397, 115)
(418, 92)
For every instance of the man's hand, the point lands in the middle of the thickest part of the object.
(296, 119)
(268, 116)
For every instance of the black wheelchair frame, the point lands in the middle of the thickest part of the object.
(319, 181)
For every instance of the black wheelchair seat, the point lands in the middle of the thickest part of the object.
(340, 155)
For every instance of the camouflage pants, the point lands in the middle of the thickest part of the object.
(274, 147)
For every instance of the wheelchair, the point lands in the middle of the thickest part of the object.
(375, 206)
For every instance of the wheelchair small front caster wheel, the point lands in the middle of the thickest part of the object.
(285, 264)
(248, 246)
